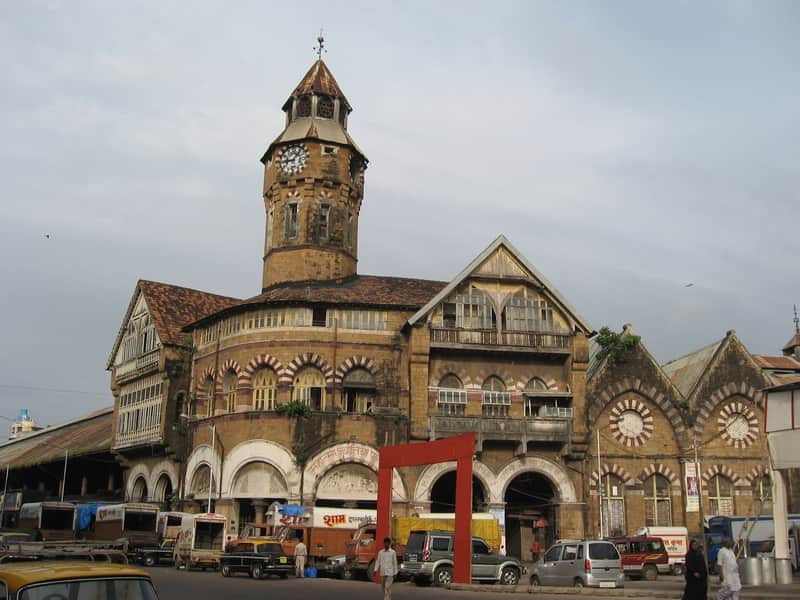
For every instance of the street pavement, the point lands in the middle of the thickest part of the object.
(173, 584)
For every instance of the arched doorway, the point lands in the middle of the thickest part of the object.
(443, 494)
(163, 490)
(255, 486)
(139, 490)
(350, 485)
(531, 502)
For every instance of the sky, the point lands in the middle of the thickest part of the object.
(627, 149)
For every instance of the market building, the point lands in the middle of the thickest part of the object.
(288, 395)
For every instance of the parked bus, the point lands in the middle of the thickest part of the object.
(759, 530)
(48, 520)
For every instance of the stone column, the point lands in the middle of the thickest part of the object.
(259, 506)
(84, 485)
(110, 484)
(780, 515)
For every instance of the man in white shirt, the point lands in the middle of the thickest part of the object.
(386, 565)
(728, 572)
(300, 559)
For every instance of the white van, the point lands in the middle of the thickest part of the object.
(676, 541)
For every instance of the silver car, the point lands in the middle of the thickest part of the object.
(586, 563)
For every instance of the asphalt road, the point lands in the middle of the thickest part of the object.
(197, 585)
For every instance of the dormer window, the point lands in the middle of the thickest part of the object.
(325, 107)
(304, 106)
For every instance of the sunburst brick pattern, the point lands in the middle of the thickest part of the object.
(724, 470)
(614, 469)
(355, 362)
(727, 415)
(308, 359)
(256, 363)
(631, 404)
(661, 470)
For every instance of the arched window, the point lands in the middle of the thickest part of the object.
(762, 492)
(264, 390)
(495, 399)
(200, 481)
(472, 309)
(304, 106)
(309, 388)
(535, 387)
(452, 398)
(720, 496)
(613, 505)
(139, 491)
(358, 391)
(657, 505)
(325, 107)
(229, 390)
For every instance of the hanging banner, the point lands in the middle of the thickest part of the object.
(692, 487)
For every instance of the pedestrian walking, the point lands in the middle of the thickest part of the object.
(696, 573)
(728, 572)
(300, 553)
(386, 565)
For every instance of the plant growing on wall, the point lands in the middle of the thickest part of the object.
(294, 408)
(615, 345)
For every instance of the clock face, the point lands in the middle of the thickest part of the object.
(293, 159)
(631, 423)
(738, 426)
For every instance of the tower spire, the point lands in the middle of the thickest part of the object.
(796, 320)
(320, 47)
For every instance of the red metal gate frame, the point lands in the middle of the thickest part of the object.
(460, 449)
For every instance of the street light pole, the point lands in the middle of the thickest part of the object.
(600, 483)
(64, 480)
(5, 492)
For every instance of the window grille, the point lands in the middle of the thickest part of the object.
(291, 221)
(495, 404)
(323, 224)
(452, 402)
(613, 504)
(720, 496)
(304, 106)
(264, 390)
(657, 505)
(325, 107)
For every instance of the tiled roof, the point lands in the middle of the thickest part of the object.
(172, 307)
(786, 363)
(86, 435)
(792, 343)
(687, 370)
(360, 290)
(319, 80)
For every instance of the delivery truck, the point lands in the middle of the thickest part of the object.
(48, 521)
(201, 541)
(134, 521)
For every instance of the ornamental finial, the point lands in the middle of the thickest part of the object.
(320, 47)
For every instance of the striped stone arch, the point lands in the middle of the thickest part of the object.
(229, 366)
(256, 363)
(309, 359)
(720, 470)
(447, 369)
(484, 373)
(651, 393)
(658, 468)
(208, 373)
(757, 473)
(552, 384)
(355, 362)
(719, 396)
(606, 469)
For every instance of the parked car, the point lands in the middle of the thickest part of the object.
(257, 558)
(643, 557)
(155, 555)
(428, 559)
(74, 579)
(586, 563)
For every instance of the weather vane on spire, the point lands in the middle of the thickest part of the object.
(796, 320)
(320, 47)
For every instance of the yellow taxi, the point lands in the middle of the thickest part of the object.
(74, 580)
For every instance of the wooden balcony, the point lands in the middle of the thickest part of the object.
(521, 429)
(137, 366)
(491, 339)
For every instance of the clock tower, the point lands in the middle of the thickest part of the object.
(313, 186)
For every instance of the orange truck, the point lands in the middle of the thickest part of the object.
(361, 550)
(324, 531)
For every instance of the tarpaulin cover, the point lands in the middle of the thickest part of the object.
(85, 514)
(292, 510)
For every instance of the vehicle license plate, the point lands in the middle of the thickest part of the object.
(607, 584)
(283, 560)
(412, 558)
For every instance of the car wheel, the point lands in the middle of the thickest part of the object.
(578, 583)
(226, 571)
(535, 581)
(678, 569)
(509, 576)
(443, 576)
(347, 574)
(649, 573)
(255, 572)
(149, 560)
